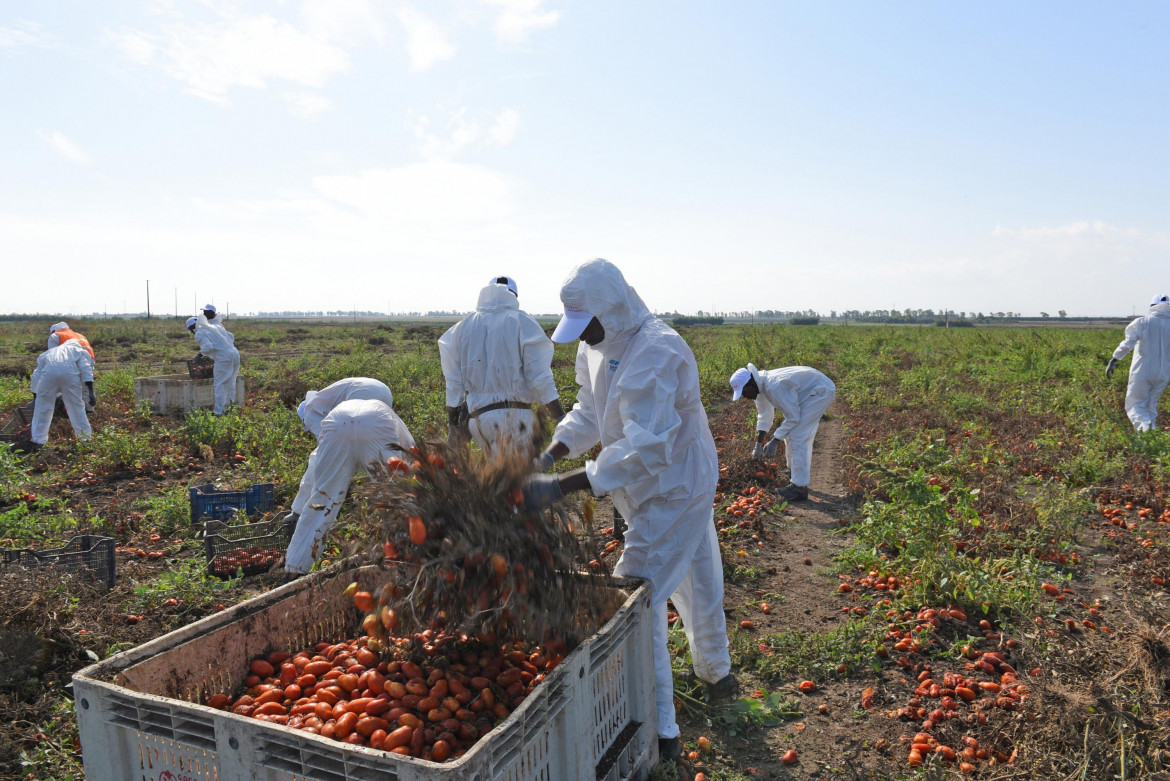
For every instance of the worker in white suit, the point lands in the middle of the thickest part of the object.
(801, 394)
(65, 371)
(639, 397)
(1149, 372)
(313, 410)
(60, 333)
(218, 344)
(497, 363)
(356, 437)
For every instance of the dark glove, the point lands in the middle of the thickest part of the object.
(758, 451)
(457, 436)
(1109, 368)
(770, 448)
(92, 395)
(198, 357)
(555, 409)
(541, 491)
(32, 404)
(543, 462)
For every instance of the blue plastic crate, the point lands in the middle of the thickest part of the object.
(207, 501)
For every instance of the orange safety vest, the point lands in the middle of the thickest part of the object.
(65, 334)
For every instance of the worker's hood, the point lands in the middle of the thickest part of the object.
(55, 327)
(496, 296)
(598, 287)
(1161, 303)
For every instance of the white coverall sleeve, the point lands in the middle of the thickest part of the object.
(650, 424)
(54, 339)
(790, 408)
(765, 413)
(579, 429)
(201, 341)
(35, 380)
(536, 353)
(85, 366)
(1133, 335)
(452, 372)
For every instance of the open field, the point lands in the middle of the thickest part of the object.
(974, 491)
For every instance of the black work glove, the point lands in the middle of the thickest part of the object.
(1110, 367)
(92, 395)
(541, 491)
(32, 404)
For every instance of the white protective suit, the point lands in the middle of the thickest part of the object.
(639, 397)
(1149, 373)
(218, 344)
(802, 394)
(357, 436)
(496, 354)
(319, 404)
(63, 371)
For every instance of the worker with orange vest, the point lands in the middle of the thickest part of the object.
(59, 333)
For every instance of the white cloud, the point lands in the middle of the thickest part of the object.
(307, 105)
(426, 41)
(517, 19)
(63, 146)
(465, 134)
(23, 35)
(345, 21)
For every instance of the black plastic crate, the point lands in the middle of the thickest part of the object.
(251, 547)
(86, 551)
(201, 368)
(207, 501)
(17, 430)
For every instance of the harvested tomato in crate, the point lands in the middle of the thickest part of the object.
(157, 711)
(250, 547)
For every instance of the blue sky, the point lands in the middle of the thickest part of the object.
(391, 156)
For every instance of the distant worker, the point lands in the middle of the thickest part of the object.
(802, 395)
(639, 397)
(64, 370)
(313, 410)
(218, 344)
(1149, 372)
(60, 333)
(497, 362)
(357, 436)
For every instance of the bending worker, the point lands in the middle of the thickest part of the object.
(62, 371)
(356, 436)
(313, 410)
(639, 397)
(497, 362)
(802, 395)
(218, 344)
(59, 333)
(1149, 372)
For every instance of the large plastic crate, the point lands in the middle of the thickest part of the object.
(251, 547)
(86, 551)
(207, 501)
(592, 718)
(179, 393)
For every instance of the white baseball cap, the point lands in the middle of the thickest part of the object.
(209, 308)
(192, 321)
(1161, 302)
(572, 325)
(739, 378)
(502, 280)
(55, 327)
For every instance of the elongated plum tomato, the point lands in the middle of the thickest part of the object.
(418, 530)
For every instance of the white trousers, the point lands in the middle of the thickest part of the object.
(342, 451)
(227, 369)
(502, 428)
(1141, 401)
(71, 390)
(691, 576)
(798, 445)
(306, 488)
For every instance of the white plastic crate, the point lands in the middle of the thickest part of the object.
(592, 718)
(179, 393)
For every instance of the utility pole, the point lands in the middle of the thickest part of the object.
(148, 299)
(176, 302)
